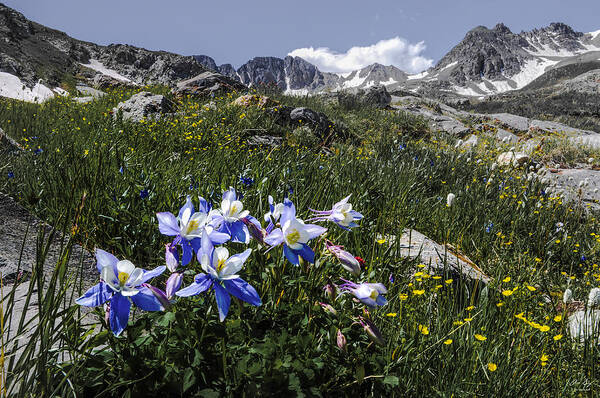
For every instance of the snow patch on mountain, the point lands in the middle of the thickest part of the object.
(12, 87)
(99, 67)
(594, 34)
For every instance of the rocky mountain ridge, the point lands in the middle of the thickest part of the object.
(37, 62)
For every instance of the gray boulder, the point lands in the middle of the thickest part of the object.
(142, 106)
(506, 136)
(89, 92)
(439, 258)
(513, 122)
(372, 96)
(317, 121)
(208, 84)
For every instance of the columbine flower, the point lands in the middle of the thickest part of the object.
(188, 227)
(341, 214)
(294, 235)
(121, 283)
(229, 220)
(220, 272)
(11, 174)
(274, 211)
(368, 293)
(347, 260)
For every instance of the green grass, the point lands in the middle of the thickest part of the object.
(398, 176)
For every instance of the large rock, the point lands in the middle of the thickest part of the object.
(579, 185)
(89, 91)
(506, 136)
(317, 121)
(373, 96)
(208, 84)
(438, 258)
(143, 105)
(513, 122)
(512, 158)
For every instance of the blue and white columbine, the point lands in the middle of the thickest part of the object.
(121, 283)
(294, 234)
(341, 213)
(370, 294)
(221, 273)
(188, 227)
(229, 219)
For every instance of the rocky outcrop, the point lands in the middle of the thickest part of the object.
(143, 105)
(372, 96)
(208, 84)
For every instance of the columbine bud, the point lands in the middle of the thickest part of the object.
(348, 261)
(159, 294)
(330, 291)
(107, 312)
(171, 257)
(341, 341)
(372, 331)
(450, 199)
(173, 284)
(255, 229)
(328, 308)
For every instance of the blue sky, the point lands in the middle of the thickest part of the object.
(235, 31)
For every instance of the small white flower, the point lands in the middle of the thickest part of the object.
(567, 296)
(450, 199)
(594, 297)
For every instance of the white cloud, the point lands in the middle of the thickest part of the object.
(396, 51)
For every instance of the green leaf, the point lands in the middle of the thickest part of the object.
(391, 380)
(189, 379)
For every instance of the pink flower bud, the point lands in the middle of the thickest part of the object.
(341, 341)
(171, 257)
(173, 284)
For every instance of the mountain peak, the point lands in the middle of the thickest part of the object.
(501, 28)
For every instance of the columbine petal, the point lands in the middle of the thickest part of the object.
(307, 253)
(119, 313)
(314, 230)
(230, 195)
(186, 210)
(108, 275)
(241, 289)
(201, 284)
(151, 274)
(167, 224)
(291, 255)
(147, 300)
(234, 263)
(95, 296)
(204, 206)
(104, 258)
(186, 252)
(275, 238)
(223, 301)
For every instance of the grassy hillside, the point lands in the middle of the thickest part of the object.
(436, 336)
